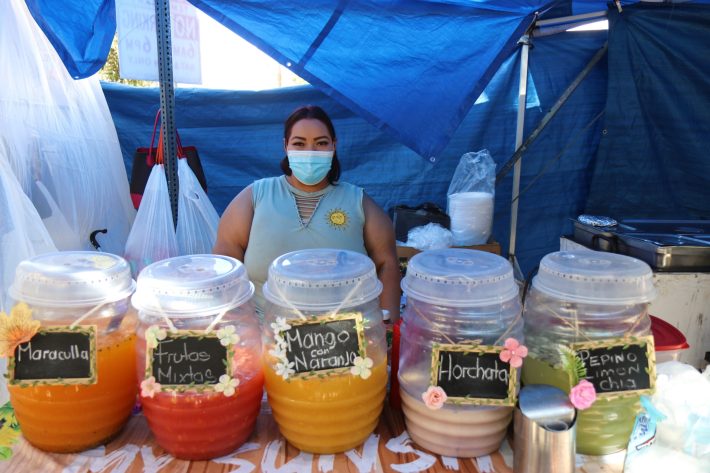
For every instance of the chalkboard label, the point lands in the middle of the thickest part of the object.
(186, 359)
(473, 374)
(324, 343)
(619, 367)
(56, 356)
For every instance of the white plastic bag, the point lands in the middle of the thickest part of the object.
(431, 236)
(197, 218)
(470, 198)
(152, 237)
(683, 436)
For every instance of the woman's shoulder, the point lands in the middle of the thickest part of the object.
(346, 186)
(265, 185)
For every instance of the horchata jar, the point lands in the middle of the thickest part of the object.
(198, 354)
(460, 347)
(589, 334)
(70, 339)
(325, 355)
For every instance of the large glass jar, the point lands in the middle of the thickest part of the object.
(580, 297)
(79, 289)
(325, 354)
(454, 296)
(202, 295)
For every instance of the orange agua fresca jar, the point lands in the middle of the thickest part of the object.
(72, 384)
(325, 360)
(198, 355)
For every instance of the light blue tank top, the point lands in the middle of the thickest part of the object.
(337, 222)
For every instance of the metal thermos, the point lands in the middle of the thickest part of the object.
(544, 435)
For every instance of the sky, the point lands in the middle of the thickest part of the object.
(230, 62)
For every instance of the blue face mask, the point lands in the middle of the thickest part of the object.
(309, 167)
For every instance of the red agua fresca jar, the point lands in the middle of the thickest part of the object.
(195, 410)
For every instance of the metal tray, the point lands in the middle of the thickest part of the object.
(665, 252)
(666, 245)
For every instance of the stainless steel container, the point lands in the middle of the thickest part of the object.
(545, 426)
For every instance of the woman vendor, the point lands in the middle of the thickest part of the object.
(307, 207)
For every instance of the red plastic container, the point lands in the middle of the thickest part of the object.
(669, 340)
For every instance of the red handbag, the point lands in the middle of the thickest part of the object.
(145, 158)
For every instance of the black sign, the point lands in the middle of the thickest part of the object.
(57, 355)
(473, 374)
(619, 366)
(319, 345)
(187, 359)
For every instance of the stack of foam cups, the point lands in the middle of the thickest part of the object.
(471, 217)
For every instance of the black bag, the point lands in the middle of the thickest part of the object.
(405, 218)
(145, 158)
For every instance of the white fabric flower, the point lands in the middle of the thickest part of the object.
(278, 353)
(149, 387)
(362, 367)
(285, 369)
(280, 325)
(153, 334)
(226, 385)
(227, 336)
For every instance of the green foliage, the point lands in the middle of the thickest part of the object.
(572, 364)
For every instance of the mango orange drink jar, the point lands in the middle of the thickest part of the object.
(81, 292)
(590, 298)
(325, 354)
(457, 403)
(198, 355)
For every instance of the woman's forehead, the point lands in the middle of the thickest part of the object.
(309, 128)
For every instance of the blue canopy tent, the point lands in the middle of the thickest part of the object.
(628, 142)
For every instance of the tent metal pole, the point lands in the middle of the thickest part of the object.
(515, 159)
(167, 100)
(597, 15)
(520, 127)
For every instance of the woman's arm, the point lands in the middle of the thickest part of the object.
(380, 246)
(234, 226)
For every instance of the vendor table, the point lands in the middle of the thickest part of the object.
(388, 449)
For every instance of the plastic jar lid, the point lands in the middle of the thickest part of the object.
(595, 277)
(72, 279)
(322, 279)
(459, 277)
(194, 285)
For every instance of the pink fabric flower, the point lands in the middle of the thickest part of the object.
(434, 397)
(149, 387)
(583, 395)
(514, 353)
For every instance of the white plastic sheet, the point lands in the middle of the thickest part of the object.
(60, 140)
(22, 234)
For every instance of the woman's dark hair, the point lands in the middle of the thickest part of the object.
(317, 113)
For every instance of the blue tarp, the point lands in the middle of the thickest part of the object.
(240, 136)
(653, 159)
(81, 31)
(652, 125)
(413, 68)
(410, 67)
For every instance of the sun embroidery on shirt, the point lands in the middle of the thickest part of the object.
(337, 218)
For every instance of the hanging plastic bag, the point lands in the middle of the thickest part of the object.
(152, 237)
(470, 198)
(197, 218)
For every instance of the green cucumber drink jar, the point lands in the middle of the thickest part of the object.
(588, 297)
